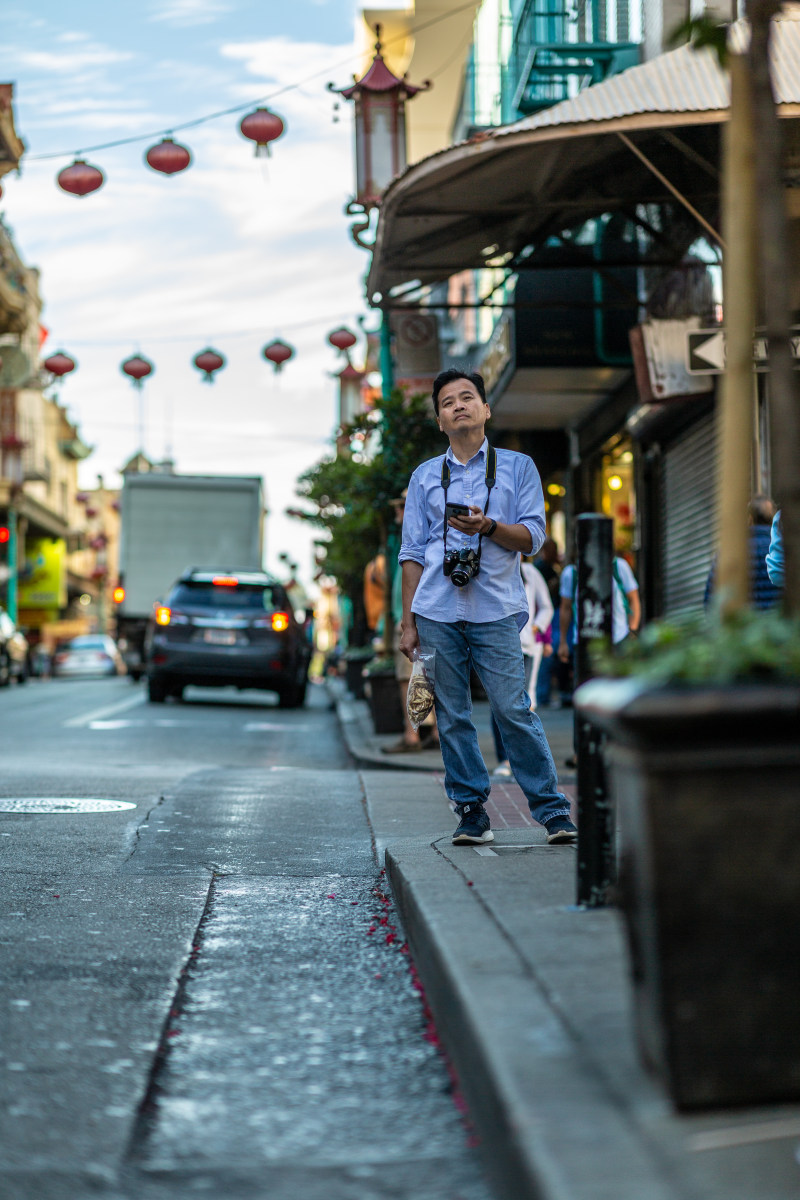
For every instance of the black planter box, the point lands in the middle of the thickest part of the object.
(353, 668)
(383, 694)
(707, 787)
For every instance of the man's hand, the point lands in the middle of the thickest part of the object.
(563, 652)
(409, 639)
(473, 524)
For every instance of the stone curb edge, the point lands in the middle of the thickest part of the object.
(546, 1126)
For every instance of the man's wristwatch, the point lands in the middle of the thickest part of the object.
(491, 529)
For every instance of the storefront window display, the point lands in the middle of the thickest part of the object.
(616, 495)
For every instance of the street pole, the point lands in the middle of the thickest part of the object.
(594, 540)
(13, 576)
(392, 532)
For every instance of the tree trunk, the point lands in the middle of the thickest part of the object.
(774, 255)
(739, 203)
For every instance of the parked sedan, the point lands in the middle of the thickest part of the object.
(89, 654)
(13, 651)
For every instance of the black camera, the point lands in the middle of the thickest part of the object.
(461, 565)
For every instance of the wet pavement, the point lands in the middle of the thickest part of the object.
(209, 992)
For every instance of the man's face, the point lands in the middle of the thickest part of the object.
(461, 407)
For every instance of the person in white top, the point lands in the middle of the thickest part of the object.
(534, 644)
(626, 610)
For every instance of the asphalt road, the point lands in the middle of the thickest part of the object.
(205, 992)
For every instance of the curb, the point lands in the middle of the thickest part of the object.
(548, 1128)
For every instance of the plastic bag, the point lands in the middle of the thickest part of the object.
(419, 701)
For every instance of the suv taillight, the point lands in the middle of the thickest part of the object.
(168, 616)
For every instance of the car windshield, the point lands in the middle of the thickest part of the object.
(243, 595)
(86, 643)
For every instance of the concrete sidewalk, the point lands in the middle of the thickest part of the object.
(531, 998)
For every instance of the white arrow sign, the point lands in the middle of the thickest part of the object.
(712, 351)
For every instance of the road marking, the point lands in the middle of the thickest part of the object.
(275, 727)
(107, 711)
(485, 851)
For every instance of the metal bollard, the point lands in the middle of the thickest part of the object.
(596, 859)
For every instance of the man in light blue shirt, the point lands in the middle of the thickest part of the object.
(463, 598)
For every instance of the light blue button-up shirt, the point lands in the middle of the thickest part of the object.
(516, 499)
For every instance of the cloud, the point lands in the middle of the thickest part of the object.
(72, 61)
(233, 252)
(188, 12)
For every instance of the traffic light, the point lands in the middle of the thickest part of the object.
(5, 535)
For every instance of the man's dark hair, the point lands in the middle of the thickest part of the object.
(761, 510)
(445, 377)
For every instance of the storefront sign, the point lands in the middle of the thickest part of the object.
(498, 354)
(416, 344)
(659, 358)
(43, 584)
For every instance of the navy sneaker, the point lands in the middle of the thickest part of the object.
(560, 831)
(473, 826)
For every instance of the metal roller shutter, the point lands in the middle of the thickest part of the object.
(690, 517)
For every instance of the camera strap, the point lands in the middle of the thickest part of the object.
(491, 480)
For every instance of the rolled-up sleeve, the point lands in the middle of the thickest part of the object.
(530, 504)
(415, 524)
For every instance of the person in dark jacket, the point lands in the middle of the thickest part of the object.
(763, 593)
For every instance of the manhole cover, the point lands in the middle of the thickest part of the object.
(60, 804)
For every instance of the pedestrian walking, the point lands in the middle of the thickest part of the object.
(775, 563)
(534, 640)
(763, 592)
(470, 514)
(626, 612)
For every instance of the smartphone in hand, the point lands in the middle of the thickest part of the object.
(455, 510)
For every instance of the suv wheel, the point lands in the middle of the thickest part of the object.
(293, 696)
(5, 669)
(156, 690)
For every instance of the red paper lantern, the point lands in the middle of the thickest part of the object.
(91, 512)
(99, 573)
(168, 157)
(277, 353)
(82, 497)
(137, 368)
(59, 364)
(80, 178)
(262, 127)
(342, 339)
(208, 361)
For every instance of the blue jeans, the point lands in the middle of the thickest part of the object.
(493, 648)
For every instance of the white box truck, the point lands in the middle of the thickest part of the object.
(169, 523)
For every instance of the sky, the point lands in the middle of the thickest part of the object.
(231, 253)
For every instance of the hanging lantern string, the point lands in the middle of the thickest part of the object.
(236, 108)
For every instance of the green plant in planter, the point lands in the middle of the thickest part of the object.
(379, 666)
(748, 646)
(359, 653)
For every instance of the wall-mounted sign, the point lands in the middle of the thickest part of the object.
(706, 351)
(43, 582)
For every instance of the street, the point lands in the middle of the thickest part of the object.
(208, 991)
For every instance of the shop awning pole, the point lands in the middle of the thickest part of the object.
(709, 228)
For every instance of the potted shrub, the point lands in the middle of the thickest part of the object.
(383, 694)
(704, 757)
